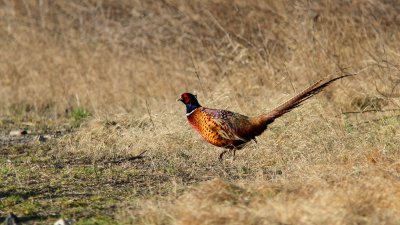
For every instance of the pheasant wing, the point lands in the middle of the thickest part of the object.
(229, 124)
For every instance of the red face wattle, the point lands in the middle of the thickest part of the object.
(190, 101)
(186, 98)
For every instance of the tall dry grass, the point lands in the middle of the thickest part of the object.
(111, 57)
(127, 61)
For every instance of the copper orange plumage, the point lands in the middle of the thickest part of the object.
(232, 130)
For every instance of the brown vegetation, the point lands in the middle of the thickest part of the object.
(122, 64)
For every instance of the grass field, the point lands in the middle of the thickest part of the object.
(99, 80)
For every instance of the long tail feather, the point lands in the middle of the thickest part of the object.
(298, 99)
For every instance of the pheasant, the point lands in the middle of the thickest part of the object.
(232, 130)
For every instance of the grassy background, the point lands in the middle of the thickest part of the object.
(107, 73)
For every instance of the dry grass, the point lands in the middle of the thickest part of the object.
(348, 201)
(126, 62)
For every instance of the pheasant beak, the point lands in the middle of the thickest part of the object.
(179, 100)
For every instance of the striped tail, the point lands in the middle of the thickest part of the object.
(297, 100)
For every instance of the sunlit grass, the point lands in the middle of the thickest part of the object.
(101, 78)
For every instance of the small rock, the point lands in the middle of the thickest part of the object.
(18, 132)
(63, 222)
(28, 124)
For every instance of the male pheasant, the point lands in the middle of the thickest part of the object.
(232, 130)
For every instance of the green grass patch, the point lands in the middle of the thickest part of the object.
(78, 115)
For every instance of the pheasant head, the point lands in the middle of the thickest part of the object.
(190, 101)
